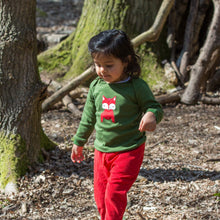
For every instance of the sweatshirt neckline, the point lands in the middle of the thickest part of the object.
(116, 83)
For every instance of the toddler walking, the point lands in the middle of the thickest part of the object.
(120, 107)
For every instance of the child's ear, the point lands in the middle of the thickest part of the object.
(129, 58)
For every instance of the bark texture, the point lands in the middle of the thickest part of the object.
(212, 43)
(20, 89)
(154, 32)
(186, 52)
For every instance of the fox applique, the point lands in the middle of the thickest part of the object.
(108, 104)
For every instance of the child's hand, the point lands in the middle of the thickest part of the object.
(148, 122)
(77, 154)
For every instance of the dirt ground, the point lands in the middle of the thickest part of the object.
(178, 179)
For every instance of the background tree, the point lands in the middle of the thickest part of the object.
(70, 58)
(207, 57)
(151, 35)
(191, 25)
(21, 92)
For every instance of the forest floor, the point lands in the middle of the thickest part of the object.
(178, 178)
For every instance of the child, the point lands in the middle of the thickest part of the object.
(115, 105)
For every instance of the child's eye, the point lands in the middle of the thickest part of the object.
(109, 66)
(97, 65)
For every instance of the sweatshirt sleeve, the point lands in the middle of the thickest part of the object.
(87, 122)
(147, 100)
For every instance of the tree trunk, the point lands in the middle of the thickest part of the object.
(212, 43)
(200, 18)
(208, 79)
(154, 32)
(186, 53)
(133, 17)
(214, 82)
(21, 91)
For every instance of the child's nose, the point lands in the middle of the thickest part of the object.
(102, 69)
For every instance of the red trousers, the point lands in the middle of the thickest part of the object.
(114, 174)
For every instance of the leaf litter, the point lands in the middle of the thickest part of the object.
(179, 176)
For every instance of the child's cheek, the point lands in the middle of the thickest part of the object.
(98, 72)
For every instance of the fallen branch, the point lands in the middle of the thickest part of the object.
(213, 160)
(76, 93)
(154, 32)
(57, 96)
(176, 97)
(210, 100)
(67, 101)
(169, 98)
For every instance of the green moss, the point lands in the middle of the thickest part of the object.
(13, 158)
(14, 161)
(45, 142)
(40, 13)
(4, 203)
(95, 17)
(56, 59)
(40, 158)
(152, 70)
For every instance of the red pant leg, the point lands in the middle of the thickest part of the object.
(124, 171)
(121, 170)
(100, 182)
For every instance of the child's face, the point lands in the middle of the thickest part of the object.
(109, 68)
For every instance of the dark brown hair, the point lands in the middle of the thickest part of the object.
(116, 43)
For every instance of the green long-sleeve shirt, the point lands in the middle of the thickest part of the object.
(115, 111)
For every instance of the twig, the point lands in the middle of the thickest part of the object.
(213, 160)
(141, 217)
(153, 145)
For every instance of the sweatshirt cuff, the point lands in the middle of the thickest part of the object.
(78, 141)
(155, 113)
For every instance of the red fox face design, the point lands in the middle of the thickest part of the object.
(108, 105)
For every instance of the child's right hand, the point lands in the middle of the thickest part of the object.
(77, 154)
(148, 122)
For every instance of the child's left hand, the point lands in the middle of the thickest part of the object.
(77, 154)
(148, 122)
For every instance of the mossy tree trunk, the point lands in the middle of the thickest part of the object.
(134, 17)
(21, 90)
